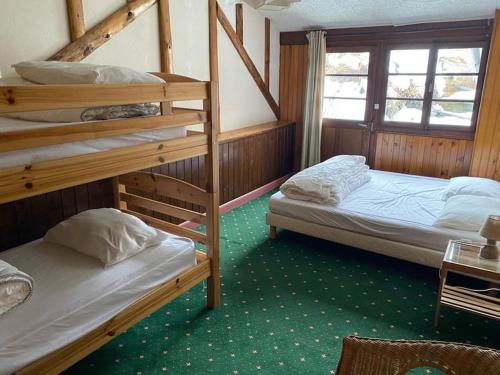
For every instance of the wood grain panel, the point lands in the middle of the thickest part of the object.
(485, 159)
(419, 155)
(246, 162)
(293, 71)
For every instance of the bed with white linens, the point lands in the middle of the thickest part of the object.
(74, 294)
(40, 154)
(391, 214)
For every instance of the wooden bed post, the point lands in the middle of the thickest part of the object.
(166, 58)
(211, 129)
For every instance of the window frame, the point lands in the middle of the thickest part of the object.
(370, 86)
(424, 127)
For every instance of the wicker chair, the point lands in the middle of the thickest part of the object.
(365, 356)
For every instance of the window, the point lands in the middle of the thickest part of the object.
(346, 85)
(432, 88)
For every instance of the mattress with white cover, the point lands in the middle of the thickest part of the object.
(34, 155)
(74, 294)
(392, 206)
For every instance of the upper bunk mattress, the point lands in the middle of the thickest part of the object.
(392, 206)
(74, 294)
(34, 155)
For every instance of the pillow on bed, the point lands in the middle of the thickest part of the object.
(472, 186)
(467, 212)
(106, 234)
(79, 114)
(64, 73)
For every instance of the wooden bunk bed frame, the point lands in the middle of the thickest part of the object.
(123, 164)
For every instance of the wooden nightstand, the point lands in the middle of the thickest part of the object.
(464, 259)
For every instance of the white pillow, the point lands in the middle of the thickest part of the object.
(63, 73)
(467, 212)
(106, 234)
(472, 186)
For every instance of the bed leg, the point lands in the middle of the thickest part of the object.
(213, 292)
(272, 232)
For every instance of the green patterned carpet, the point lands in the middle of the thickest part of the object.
(286, 305)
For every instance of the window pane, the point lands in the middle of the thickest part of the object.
(451, 113)
(459, 60)
(406, 87)
(409, 61)
(403, 110)
(345, 86)
(344, 109)
(455, 87)
(347, 63)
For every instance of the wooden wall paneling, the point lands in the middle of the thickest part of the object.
(486, 152)
(421, 155)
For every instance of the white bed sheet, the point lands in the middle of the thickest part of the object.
(34, 155)
(393, 206)
(74, 293)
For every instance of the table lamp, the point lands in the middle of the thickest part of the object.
(491, 231)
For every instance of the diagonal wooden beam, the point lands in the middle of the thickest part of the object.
(75, 19)
(226, 25)
(103, 31)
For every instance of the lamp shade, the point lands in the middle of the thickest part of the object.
(491, 228)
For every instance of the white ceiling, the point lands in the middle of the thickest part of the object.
(309, 14)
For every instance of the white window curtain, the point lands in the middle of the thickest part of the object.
(313, 107)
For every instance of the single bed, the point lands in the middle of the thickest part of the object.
(52, 152)
(53, 317)
(392, 214)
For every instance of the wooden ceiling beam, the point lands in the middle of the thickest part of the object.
(226, 25)
(76, 19)
(103, 31)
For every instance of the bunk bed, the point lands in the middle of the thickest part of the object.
(137, 192)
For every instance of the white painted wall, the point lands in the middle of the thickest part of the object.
(34, 30)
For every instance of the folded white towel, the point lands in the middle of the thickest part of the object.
(328, 182)
(16, 287)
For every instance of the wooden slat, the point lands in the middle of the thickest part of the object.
(239, 21)
(226, 25)
(103, 31)
(27, 181)
(166, 186)
(63, 358)
(169, 227)
(473, 299)
(164, 208)
(267, 51)
(38, 98)
(76, 20)
(23, 139)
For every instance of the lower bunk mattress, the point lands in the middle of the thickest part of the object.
(39, 154)
(391, 206)
(74, 294)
